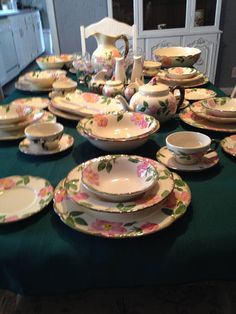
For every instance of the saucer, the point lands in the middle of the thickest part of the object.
(166, 157)
(63, 114)
(194, 94)
(65, 143)
(229, 145)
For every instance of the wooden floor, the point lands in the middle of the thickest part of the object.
(201, 298)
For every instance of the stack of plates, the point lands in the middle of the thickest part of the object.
(14, 118)
(38, 81)
(212, 114)
(97, 197)
(187, 77)
(75, 105)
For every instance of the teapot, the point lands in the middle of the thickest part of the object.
(155, 99)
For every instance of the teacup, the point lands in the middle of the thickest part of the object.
(47, 135)
(188, 147)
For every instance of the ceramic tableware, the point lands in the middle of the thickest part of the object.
(42, 79)
(118, 131)
(13, 113)
(201, 111)
(188, 147)
(189, 117)
(54, 61)
(112, 88)
(177, 56)
(63, 114)
(221, 107)
(46, 135)
(229, 145)
(194, 94)
(35, 102)
(151, 68)
(156, 195)
(65, 142)
(181, 72)
(118, 178)
(123, 226)
(22, 197)
(166, 157)
(64, 84)
(96, 82)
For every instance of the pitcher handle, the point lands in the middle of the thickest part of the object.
(126, 44)
(182, 93)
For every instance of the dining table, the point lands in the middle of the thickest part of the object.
(41, 255)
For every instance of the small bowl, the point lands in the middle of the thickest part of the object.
(118, 177)
(181, 72)
(14, 113)
(221, 106)
(177, 56)
(45, 134)
(118, 131)
(50, 62)
(188, 147)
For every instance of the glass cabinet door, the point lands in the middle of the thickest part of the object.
(164, 14)
(123, 11)
(205, 12)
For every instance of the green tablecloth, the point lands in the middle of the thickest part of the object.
(41, 255)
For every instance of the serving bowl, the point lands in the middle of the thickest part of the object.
(118, 131)
(177, 56)
(50, 62)
(221, 106)
(41, 78)
(118, 177)
(181, 72)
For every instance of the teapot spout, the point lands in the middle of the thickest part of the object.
(124, 102)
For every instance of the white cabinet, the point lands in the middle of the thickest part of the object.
(193, 23)
(38, 32)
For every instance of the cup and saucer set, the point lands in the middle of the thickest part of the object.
(45, 139)
(188, 151)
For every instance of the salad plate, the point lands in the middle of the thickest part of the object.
(13, 113)
(63, 114)
(35, 102)
(229, 145)
(166, 157)
(201, 111)
(190, 118)
(22, 197)
(122, 226)
(156, 195)
(194, 94)
(28, 148)
(87, 104)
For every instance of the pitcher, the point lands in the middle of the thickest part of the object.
(106, 52)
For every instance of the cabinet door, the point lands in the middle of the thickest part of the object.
(31, 44)
(154, 43)
(38, 33)
(3, 76)
(208, 44)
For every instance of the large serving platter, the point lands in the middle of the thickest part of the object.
(87, 104)
(23, 196)
(118, 225)
(190, 118)
(156, 195)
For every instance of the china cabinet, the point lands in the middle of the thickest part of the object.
(163, 23)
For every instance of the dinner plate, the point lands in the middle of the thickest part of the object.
(28, 148)
(35, 102)
(190, 118)
(194, 94)
(156, 195)
(119, 225)
(166, 157)
(87, 104)
(201, 111)
(23, 196)
(63, 114)
(229, 145)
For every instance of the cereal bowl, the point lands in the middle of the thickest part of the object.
(41, 78)
(118, 177)
(221, 106)
(181, 72)
(50, 62)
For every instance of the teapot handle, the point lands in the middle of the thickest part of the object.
(126, 44)
(182, 93)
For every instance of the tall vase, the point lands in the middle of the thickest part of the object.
(137, 71)
(119, 72)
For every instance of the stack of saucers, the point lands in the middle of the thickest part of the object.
(121, 196)
(217, 114)
(76, 104)
(183, 76)
(14, 118)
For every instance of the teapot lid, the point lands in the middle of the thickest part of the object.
(157, 89)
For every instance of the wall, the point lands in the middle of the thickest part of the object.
(70, 17)
(227, 52)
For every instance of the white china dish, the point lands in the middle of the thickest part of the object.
(13, 113)
(228, 144)
(221, 106)
(34, 102)
(177, 56)
(181, 72)
(118, 177)
(53, 61)
(42, 79)
(63, 114)
(194, 94)
(64, 84)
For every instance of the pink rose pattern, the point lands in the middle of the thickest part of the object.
(45, 191)
(101, 120)
(91, 176)
(142, 168)
(139, 119)
(80, 196)
(6, 183)
(109, 228)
